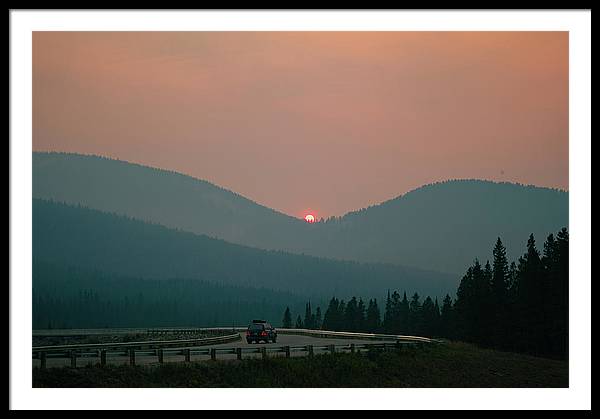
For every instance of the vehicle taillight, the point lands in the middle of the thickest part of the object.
(247, 333)
(263, 333)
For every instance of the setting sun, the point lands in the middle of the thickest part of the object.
(309, 218)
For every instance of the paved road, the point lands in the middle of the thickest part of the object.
(282, 340)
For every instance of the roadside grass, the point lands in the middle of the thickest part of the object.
(451, 365)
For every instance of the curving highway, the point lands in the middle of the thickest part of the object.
(282, 340)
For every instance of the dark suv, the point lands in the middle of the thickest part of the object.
(260, 330)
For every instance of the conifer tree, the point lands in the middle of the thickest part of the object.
(437, 320)
(404, 315)
(361, 314)
(308, 317)
(530, 300)
(341, 317)
(387, 319)
(428, 317)
(287, 319)
(415, 315)
(499, 282)
(373, 319)
(447, 318)
(395, 321)
(562, 289)
(318, 319)
(351, 315)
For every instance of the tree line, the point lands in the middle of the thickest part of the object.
(70, 297)
(521, 306)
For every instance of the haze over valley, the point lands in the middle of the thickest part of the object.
(439, 227)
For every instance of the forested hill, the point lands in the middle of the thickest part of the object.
(441, 226)
(446, 225)
(160, 196)
(75, 236)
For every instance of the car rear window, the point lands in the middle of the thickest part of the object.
(255, 326)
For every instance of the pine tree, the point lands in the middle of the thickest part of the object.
(555, 292)
(438, 318)
(351, 315)
(428, 317)
(318, 319)
(287, 319)
(331, 317)
(308, 317)
(562, 289)
(447, 318)
(387, 315)
(530, 300)
(341, 317)
(550, 293)
(415, 315)
(360, 316)
(499, 285)
(403, 315)
(373, 317)
(472, 304)
(393, 317)
(299, 324)
(487, 305)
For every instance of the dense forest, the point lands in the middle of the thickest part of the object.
(75, 236)
(68, 297)
(441, 226)
(521, 306)
(518, 306)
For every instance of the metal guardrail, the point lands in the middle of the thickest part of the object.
(355, 335)
(156, 344)
(181, 346)
(187, 353)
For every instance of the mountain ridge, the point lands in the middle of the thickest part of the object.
(441, 226)
(239, 195)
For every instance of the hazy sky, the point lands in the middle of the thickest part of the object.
(328, 121)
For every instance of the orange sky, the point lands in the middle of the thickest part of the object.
(331, 121)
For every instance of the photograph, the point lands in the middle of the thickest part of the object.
(300, 209)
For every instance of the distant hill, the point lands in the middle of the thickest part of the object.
(442, 226)
(66, 235)
(160, 196)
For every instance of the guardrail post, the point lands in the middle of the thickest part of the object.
(311, 351)
(213, 354)
(263, 352)
(160, 356)
(332, 349)
(187, 355)
(287, 351)
(238, 352)
(103, 358)
(42, 360)
(352, 348)
(73, 359)
(132, 356)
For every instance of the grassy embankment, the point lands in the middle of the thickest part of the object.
(451, 365)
